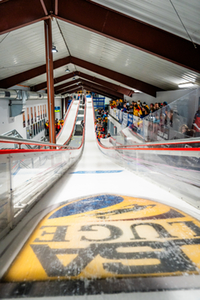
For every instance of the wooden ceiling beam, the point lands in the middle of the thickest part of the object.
(130, 31)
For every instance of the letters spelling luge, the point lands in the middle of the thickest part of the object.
(166, 254)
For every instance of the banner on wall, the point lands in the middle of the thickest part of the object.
(124, 119)
(120, 116)
(27, 133)
(45, 110)
(115, 113)
(24, 119)
(40, 112)
(34, 132)
(38, 116)
(28, 117)
(31, 115)
(35, 114)
(130, 120)
(57, 108)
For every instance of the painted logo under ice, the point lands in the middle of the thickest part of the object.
(110, 236)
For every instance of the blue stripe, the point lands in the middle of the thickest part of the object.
(96, 172)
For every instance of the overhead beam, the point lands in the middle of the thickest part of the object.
(56, 7)
(70, 89)
(104, 83)
(60, 87)
(127, 80)
(109, 23)
(43, 85)
(75, 89)
(107, 84)
(80, 86)
(89, 87)
(17, 14)
(102, 88)
(130, 31)
(124, 79)
(92, 89)
(44, 7)
(21, 77)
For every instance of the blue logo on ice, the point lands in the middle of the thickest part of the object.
(86, 205)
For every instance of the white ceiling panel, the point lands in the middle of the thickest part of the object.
(58, 41)
(22, 49)
(61, 71)
(162, 14)
(65, 81)
(42, 78)
(35, 80)
(124, 59)
(3, 36)
(93, 74)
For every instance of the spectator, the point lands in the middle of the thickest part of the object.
(151, 108)
(156, 106)
(137, 110)
(124, 109)
(169, 117)
(196, 123)
(47, 127)
(186, 131)
(57, 125)
(61, 122)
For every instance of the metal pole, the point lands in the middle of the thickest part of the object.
(50, 81)
(11, 204)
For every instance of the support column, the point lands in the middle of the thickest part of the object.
(66, 103)
(50, 81)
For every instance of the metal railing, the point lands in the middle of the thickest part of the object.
(174, 165)
(26, 174)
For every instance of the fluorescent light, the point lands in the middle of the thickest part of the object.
(186, 85)
(138, 92)
(54, 49)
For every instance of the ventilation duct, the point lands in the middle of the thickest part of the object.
(36, 96)
(18, 99)
(8, 94)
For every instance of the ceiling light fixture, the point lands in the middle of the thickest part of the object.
(54, 49)
(67, 70)
(186, 85)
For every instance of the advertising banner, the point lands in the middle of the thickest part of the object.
(35, 114)
(28, 117)
(120, 116)
(124, 120)
(31, 115)
(115, 113)
(130, 120)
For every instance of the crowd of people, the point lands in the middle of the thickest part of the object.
(159, 115)
(101, 122)
(58, 125)
(138, 108)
